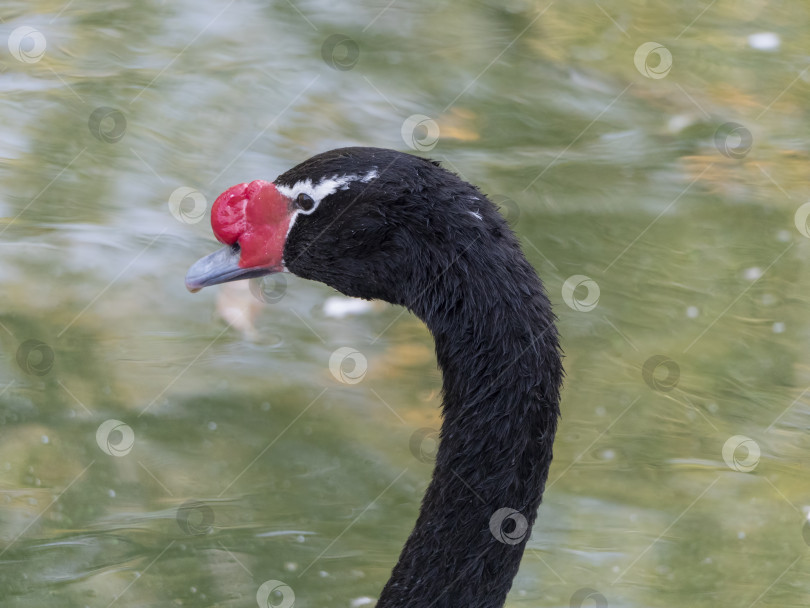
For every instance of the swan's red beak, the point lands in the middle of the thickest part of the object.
(252, 220)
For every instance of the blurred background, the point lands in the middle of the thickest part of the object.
(159, 448)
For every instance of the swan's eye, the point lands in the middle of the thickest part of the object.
(305, 202)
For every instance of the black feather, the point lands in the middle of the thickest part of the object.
(409, 237)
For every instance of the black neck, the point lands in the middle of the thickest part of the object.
(498, 350)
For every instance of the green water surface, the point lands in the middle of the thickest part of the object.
(659, 190)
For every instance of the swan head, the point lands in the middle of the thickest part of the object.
(369, 222)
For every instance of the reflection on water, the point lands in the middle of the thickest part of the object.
(160, 448)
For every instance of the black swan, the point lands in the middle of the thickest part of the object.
(379, 224)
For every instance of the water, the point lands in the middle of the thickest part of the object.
(673, 246)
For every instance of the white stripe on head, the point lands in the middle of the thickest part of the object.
(325, 187)
(319, 191)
